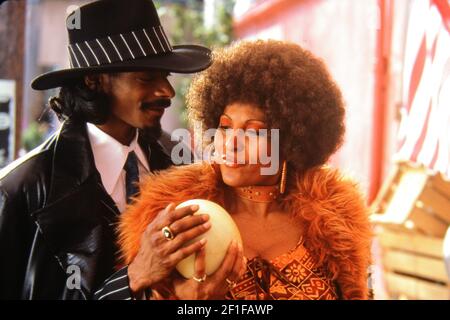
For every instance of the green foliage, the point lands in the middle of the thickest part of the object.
(34, 135)
(187, 27)
(190, 24)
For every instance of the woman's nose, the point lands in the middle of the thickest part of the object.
(235, 140)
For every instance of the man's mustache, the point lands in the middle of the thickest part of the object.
(160, 103)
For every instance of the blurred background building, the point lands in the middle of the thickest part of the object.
(391, 60)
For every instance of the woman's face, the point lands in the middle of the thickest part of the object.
(239, 143)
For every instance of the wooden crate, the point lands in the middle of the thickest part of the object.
(415, 200)
(411, 217)
(406, 240)
(413, 264)
(404, 287)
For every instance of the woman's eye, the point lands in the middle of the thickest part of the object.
(223, 127)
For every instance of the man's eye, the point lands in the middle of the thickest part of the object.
(150, 78)
(144, 79)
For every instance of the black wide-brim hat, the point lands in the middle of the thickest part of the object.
(121, 36)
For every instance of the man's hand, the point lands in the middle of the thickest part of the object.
(158, 256)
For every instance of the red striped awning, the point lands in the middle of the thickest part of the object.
(424, 133)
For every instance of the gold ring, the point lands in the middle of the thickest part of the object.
(167, 233)
(202, 279)
(231, 284)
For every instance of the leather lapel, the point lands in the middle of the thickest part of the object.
(78, 217)
(79, 231)
(73, 165)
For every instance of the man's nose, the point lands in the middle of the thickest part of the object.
(164, 89)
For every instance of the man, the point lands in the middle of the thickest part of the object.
(59, 203)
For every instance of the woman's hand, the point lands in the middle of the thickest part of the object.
(215, 286)
(158, 255)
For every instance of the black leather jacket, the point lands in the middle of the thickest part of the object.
(54, 213)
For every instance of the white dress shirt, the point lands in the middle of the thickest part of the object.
(110, 157)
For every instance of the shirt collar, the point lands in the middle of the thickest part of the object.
(110, 155)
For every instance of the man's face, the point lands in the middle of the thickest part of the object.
(138, 99)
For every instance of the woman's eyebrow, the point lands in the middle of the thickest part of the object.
(249, 120)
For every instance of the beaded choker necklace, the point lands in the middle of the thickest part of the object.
(259, 193)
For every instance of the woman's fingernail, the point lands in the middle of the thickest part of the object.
(203, 241)
(194, 207)
(205, 217)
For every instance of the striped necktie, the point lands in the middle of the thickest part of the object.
(132, 176)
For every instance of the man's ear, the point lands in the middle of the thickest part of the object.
(93, 81)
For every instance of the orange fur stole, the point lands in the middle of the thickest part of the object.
(332, 211)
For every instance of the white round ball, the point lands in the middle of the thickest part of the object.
(223, 230)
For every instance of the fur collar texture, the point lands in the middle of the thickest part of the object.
(330, 207)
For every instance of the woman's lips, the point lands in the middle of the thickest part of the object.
(232, 161)
(233, 165)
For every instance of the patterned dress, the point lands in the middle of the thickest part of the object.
(290, 276)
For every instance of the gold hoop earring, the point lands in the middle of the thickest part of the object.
(283, 177)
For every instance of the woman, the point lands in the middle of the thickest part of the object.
(305, 228)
